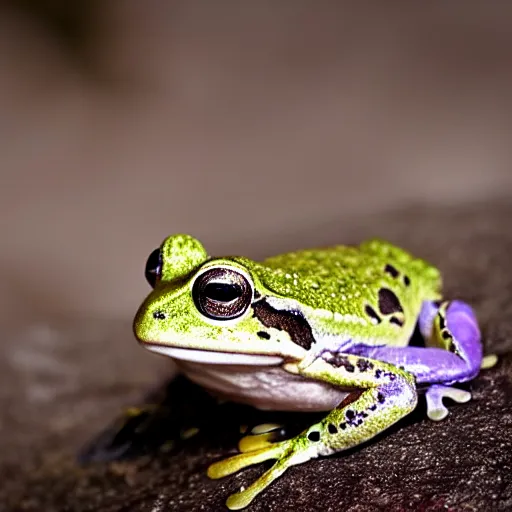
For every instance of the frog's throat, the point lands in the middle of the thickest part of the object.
(211, 357)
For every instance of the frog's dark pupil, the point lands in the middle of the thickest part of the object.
(223, 292)
(153, 267)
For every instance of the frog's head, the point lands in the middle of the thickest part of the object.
(210, 310)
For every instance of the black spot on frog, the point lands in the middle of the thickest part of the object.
(392, 271)
(372, 314)
(388, 302)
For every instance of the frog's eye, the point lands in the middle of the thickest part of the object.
(222, 293)
(153, 268)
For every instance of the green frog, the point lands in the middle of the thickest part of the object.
(314, 330)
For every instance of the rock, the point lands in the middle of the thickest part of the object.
(54, 407)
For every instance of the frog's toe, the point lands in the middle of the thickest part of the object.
(288, 453)
(262, 428)
(489, 361)
(256, 442)
(243, 498)
(261, 436)
(437, 413)
(436, 410)
(233, 464)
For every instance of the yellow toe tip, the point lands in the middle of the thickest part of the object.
(214, 472)
(237, 501)
(437, 414)
(489, 361)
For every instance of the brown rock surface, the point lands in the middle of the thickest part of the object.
(60, 385)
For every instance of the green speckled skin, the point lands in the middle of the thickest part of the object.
(334, 284)
(304, 316)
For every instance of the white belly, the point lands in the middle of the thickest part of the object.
(263, 387)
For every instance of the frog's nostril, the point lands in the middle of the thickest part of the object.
(159, 315)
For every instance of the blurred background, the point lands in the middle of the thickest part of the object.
(256, 126)
(246, 124)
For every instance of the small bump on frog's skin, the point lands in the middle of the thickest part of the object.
(314, 330)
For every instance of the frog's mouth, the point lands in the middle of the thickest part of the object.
(211, 357)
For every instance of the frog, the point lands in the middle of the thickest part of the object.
(318, 330)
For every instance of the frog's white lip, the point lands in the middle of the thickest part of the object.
(208, 356)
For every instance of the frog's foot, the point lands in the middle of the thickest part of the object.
(436, 410)
(489, 361)
(288, 453)
(261, 436)
(360, 416)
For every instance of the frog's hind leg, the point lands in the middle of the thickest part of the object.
(382, 395)
(453, 353)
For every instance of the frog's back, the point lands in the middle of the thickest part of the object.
(350, 283)
(355, 266)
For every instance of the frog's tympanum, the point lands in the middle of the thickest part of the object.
(314, 330)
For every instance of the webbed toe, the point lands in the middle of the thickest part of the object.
(436, 410)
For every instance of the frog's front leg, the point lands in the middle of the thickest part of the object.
(453, 353)
(382, 395)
